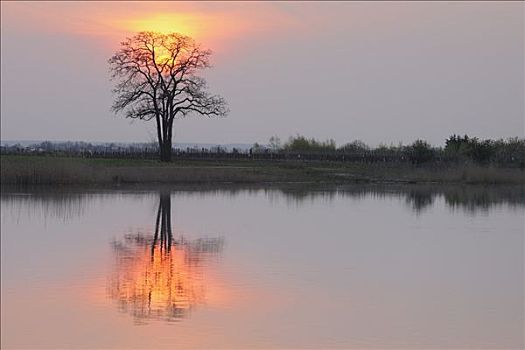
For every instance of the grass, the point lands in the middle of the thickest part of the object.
(34, 170)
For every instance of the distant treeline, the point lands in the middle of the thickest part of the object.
(464, 149)
(457, 148)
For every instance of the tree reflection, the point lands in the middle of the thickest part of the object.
(419, 200)
(158, 276)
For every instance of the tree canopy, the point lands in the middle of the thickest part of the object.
(156, 78)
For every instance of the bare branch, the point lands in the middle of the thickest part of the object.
(155, 78)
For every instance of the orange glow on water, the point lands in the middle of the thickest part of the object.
(157, 282)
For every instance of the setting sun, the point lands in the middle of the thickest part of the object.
(187, 24)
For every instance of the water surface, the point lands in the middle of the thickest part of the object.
(354, 267)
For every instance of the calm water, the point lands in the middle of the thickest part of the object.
(356, 267)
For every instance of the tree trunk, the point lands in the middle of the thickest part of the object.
(165, 151)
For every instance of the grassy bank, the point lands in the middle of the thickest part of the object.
(29, 170)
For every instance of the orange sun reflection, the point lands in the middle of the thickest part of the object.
(158, 277)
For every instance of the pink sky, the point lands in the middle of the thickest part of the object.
(380, 72)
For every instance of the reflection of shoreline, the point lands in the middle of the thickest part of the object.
(159, 276)
(65, 203)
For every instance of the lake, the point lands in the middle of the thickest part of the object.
(367, 267)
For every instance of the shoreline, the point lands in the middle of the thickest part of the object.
(42, 170)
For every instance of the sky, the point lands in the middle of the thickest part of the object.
(380, 72)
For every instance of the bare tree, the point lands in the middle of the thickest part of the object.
(155, 77)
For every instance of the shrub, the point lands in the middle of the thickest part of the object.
(302, 144)
(420, 151)
(356, 146)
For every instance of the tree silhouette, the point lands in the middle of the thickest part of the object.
(156, 78)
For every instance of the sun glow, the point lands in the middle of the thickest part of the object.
(187, 24)
(162, 56)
